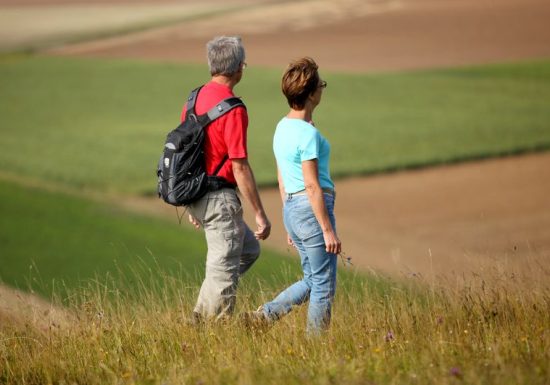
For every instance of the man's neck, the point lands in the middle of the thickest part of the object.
(225, 80)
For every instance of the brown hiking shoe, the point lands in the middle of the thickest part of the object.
(256, 320)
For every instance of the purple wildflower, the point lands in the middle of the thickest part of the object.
(389, 336)
(455, 372)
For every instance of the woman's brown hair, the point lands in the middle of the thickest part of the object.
(301, 79)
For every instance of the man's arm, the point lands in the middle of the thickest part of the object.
(247, 186)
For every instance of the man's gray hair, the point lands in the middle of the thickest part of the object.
(225, 55)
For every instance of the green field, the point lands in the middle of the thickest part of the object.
(54, 240)
(100, 124)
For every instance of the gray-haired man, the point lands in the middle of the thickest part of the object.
(232, 246)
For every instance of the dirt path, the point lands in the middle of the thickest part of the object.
(23, 309)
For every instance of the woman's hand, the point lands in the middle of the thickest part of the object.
(332, 242)
(289, 240)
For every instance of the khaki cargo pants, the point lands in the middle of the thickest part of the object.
(232, 249)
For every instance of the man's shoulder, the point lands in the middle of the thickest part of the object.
(211, 94)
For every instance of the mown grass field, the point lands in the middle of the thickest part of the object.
(100, 124)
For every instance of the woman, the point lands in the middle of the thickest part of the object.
(307, 191)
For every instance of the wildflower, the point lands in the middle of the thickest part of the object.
(455, 372)
(389, 336)
(345, 259)
(439, 320)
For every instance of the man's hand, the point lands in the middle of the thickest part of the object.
(194, 221)
(247, 186)
(264, 226)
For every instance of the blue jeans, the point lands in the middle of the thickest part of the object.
(319, 267)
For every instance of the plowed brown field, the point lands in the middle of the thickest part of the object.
(355, 35)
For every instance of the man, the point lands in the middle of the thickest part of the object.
(232, 246)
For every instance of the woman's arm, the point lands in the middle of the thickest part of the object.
(315, 194)
(281, 186)
(283, 198)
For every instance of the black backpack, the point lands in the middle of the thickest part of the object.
(181, 170)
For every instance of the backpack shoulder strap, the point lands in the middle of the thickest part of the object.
(224, 107)
(191, 100)
(220, 109)
(214, 113)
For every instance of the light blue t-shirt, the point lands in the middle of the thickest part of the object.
(294, 142)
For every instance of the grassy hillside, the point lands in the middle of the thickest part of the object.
(101, 124)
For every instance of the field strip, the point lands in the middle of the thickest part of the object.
(31, 27)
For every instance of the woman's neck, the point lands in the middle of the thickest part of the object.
(305, 114)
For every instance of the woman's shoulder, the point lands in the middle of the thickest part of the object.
(299, 125)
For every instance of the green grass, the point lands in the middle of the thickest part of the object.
(100, 124)
(50, 239)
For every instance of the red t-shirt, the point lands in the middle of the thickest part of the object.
(225, 135)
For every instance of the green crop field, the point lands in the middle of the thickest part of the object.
(100, 124)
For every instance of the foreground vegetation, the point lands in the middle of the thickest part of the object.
(100, 124)
(383, 332)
